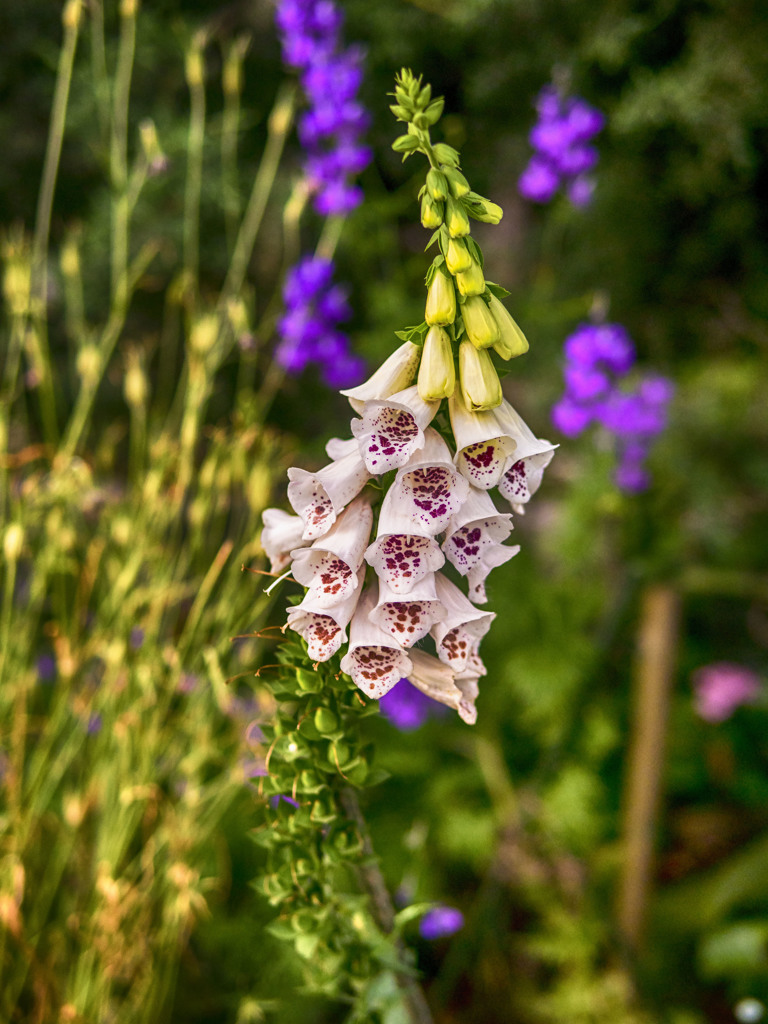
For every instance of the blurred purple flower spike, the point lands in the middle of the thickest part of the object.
(562, 156)
(441, 922)
(407, 707)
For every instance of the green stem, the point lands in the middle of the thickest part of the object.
(279, 125)
(230, 126)
(194, 182)
(39, 288)
(119, 151)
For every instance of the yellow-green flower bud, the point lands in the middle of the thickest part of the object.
(457, 258)
(483, 209)
(457, 183)
(482, 330)
(431, 212)
(456, 218)
(437, 186)
(471, 282)
(441, 300)
(480, 385)
(437, 375)
(512, 342)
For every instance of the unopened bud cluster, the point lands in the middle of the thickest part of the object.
(464, 316)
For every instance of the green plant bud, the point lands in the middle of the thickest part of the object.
(326, 721)
(441, 300)
(338, 754)
(456, 218)
(306, 945)
(357, 774)
(445, 154)
(437, 376)
(322, 813)
(482, 330)
(457, 257)
(401, 113)
(434, 111)
(457, 183)
(483, 209)
(512, 342)
(437, 185)
(405, 144)
(310, 781)
(309, 682)
(480, 385)
(471, 282)
(431, 212)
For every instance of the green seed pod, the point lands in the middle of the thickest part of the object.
(437, 375)
(457, 257)
(437, 185)
(471, 282)
(456, 218)
(441, 300)
(482, 330)
(338, 753)
(326, 721)
(512, 342)
(480, 385)
(457, 183)
(431, 212)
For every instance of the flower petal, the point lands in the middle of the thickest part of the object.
(392, 429)
(374, 661)
(394, 374)
(407, 618)
(324, 630)
(282, 533)
(483, 446)
(437, 681)
(429, 489)
(319, 497)
(462, 626)
(492, 558)
(329, 568)
(522, 479)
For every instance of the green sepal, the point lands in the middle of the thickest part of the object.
(400, 112)
(498, 290)
(437, 262)
(445, 154)
(434, 111)
(433, 239)
(415, 335)
(281, 929)
(474, 250)
(405, 144)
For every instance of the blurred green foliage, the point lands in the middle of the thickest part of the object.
(115, 842)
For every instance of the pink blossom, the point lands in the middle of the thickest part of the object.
(722, 687)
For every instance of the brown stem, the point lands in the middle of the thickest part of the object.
(383, 911)
(658, 638)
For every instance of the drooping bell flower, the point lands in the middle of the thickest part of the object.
(391, 429)
(282, 533)
(461, 628)
(374, 661)
(403, 552)
(437, 681)
(330, 566)
(482, 445)
(396, 373)
(319, 497)
(408, 618)
(429, 488)
(325, 630)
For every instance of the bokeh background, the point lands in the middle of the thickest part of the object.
(145, 427)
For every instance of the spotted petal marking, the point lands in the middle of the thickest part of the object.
(402, 560)
(376, 669)
(483, 463)
(388, 437)
(407, 621)
(324, 637)
(332, 580)
(436, 494)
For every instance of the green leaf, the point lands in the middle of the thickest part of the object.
(497, 290)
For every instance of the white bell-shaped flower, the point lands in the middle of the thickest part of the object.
(521, 479)
(459, 630)
(391, 429)
(395, 373)
(403, 553)
(319, 497)
(282, 533)
(473, 542)
(467, 683)
(482, 445)
(407, 618)
(437, 681)
(325, 629)
(429, 488)
(374, 660)
(330, 566)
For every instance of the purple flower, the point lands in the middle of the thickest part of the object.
(406, 707)
(440, 922)
(136, 638)
(94, 724)
(314, 306)
(598, 358)
(722, 687)
(275, 801)
(46, 668)
(561, 154)
(330, 129)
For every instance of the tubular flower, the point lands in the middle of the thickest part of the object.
(426, 486)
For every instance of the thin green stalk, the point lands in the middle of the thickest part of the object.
(194, 182)
(119, 150)
(39, 290)
(279, 125)
(99, 68)
(230, 126)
